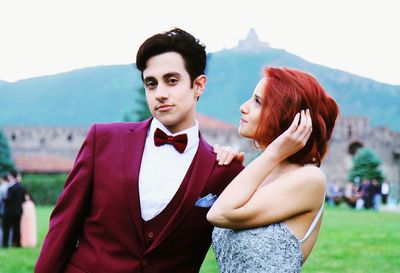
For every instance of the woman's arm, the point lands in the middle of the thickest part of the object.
(297, 192)
(240, 191)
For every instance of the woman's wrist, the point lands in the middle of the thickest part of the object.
(272, 156)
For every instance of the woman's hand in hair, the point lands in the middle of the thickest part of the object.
(293, 139)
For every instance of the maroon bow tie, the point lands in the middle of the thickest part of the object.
(179, 141)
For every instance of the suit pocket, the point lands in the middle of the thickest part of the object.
(85, 258)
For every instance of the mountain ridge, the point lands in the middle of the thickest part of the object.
(104, 93)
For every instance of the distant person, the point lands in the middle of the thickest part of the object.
(385, 190)
(137, 196)
(13, 210)
(351, 194)
(367, 191)
(331, 192)
(268, 218)
(28, 223)
(376, 194)
(3, 196)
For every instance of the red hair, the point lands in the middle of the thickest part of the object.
(287, 92)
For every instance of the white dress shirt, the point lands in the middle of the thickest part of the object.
(163, 169)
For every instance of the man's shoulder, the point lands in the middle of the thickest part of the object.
(118, 126)
(205, 144)
(235, 166)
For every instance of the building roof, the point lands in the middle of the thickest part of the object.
(43, 163)
(209, 123)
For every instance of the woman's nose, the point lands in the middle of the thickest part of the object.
(243, 108)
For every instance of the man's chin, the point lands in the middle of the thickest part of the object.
(167, 122)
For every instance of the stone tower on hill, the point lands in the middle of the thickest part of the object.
(251, 43)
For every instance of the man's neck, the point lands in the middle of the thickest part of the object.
(177, 129)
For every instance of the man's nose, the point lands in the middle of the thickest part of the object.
(161, 92)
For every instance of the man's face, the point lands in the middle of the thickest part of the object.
(169, 94)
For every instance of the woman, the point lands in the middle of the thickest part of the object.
(28, 223)
(268, 218)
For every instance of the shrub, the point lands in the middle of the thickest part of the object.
(44, 188)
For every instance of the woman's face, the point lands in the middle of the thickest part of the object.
(251, 111)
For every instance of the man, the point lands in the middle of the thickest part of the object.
(13, 209)
(385, 190)
(3, 196)
(137, 197)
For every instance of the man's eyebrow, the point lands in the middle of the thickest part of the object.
(171, 74)
(149, 78)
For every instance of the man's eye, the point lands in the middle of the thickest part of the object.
(257, 101)
(172, 81)
(150, 84)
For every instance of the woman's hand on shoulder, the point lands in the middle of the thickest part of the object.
(225, 154)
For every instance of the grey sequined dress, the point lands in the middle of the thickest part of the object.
(272, 248)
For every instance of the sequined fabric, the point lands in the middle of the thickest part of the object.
(272, 249)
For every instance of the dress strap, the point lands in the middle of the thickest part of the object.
(313, 224)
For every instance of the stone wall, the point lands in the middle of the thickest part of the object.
(350, 133)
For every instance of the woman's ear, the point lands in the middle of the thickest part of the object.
(199, 84)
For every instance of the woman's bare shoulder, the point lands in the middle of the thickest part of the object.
(311, 177)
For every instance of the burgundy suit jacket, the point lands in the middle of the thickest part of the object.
(96, 225)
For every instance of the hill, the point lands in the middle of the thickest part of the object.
(105, 93)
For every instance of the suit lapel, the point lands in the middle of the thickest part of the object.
(203, 165)
(134, 140)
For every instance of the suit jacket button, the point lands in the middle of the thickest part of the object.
(150, 235)
(144, 262)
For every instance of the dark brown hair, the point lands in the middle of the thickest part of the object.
(175, 40)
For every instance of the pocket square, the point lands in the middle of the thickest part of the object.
(206, 201)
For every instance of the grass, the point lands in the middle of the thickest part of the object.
(18, 260)
(349, 241)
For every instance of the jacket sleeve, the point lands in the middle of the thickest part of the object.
(231, 171)
(8, 196)
(69, 213)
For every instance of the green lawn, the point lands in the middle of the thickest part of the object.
(349, 241)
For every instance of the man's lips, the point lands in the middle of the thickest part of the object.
(243, 120)
(164, 107)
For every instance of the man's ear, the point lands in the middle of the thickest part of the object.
(199, 84)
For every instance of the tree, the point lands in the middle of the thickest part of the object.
(366, 166)
(6, 163)
(141, 111)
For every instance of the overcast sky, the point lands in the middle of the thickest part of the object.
(46, 37)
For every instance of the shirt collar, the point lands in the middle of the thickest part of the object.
(192, 132)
